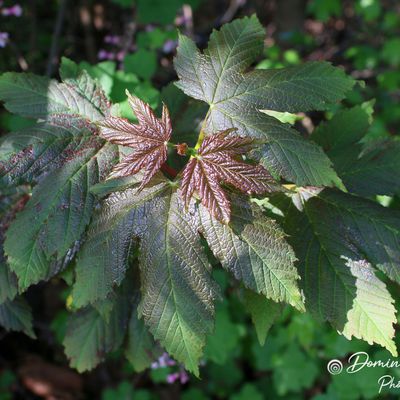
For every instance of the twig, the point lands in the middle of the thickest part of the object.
(86, 21)
(20, 58)
(128, 37)
(56, 35)
(33, 27)
(232, 10)
(188, 19)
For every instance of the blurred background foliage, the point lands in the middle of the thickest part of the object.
(130, 44)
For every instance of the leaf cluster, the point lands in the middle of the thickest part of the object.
(138, 241)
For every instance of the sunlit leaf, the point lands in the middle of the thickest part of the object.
(148, 139)
(218, 77)
(341, 240)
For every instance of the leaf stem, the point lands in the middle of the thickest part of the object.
(192, 151)
(169, 171)
(202, 131)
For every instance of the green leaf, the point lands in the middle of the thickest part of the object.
(194, 394)
(346, 128)
(143, 63)
(218, 77)
(230, 51)
(391, 50)
(11, 122)
(248, 391)
(324, 9)
(103, 72)
(284, 152)
(375, 171)
(284, 117)
(141, 349)
(8, 281)
(177, 290)
(264, 313)
(68, 69)
(177, 300)
(371, 322)
(124, 390)
(123, 80)
(388, 80)
(225, 339)
(157, 11)
(255, 250)
(104, 188)
(90, 336)
(313, 85)
(56, 216)
(15, 315)
(365, 170)
(293, 371)
(369, 10)
(340, 240)
(155, 38)
(263, 356)
(103, 259)
(226, 377)
(68, 158)
(27, 154)
(35, 96)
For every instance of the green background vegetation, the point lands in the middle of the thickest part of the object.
(362, 36)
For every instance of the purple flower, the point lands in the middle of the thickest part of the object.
(121, 55)
(102, 54)
(180, 20)
(183, 376)
(169, 46)
(166, 361)
(3, 39)
(15, 10)
(105, 55)
(112, 39)
(171, 378)
(163, 361)
(154, 365)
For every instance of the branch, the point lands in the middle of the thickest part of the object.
(56, 35)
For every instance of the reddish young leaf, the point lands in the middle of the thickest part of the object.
(219, 142)
(148, 139)
(215, 163)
